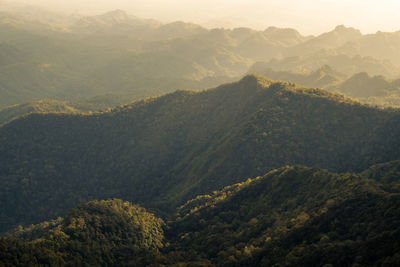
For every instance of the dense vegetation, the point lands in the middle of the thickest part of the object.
(98, 233)
(163, 151)
(292, 216)
(67, 161)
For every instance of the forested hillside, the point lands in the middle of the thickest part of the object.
(131, 141)
(292, 216)
(163, 151)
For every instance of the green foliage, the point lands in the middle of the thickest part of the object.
(163, 151)
(97, 233)
(293, 216)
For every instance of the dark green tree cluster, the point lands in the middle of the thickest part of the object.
(98, 233)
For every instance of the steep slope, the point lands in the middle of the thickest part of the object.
(163, 151)
(293, 216)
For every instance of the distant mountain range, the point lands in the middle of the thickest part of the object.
(70, 58)
(374, 90)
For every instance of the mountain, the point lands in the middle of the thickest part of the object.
(43, 106)
(322, 78)
(286, 36)
(34, 19)
(69, 59)
(381, 45)
(163, 151)
(372, 90)
(338, 37)
(94, 104)
(116, 22)
(69, 65)
(348, 65)
(292, 216)
(362, 85)
(264, 45)
(178, 29)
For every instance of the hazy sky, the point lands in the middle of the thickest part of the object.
(308, 16)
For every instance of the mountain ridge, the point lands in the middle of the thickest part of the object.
(163, 151)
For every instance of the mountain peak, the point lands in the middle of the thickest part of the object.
(118, 13)
(255, 79)
(343, 29)
(340, 27)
